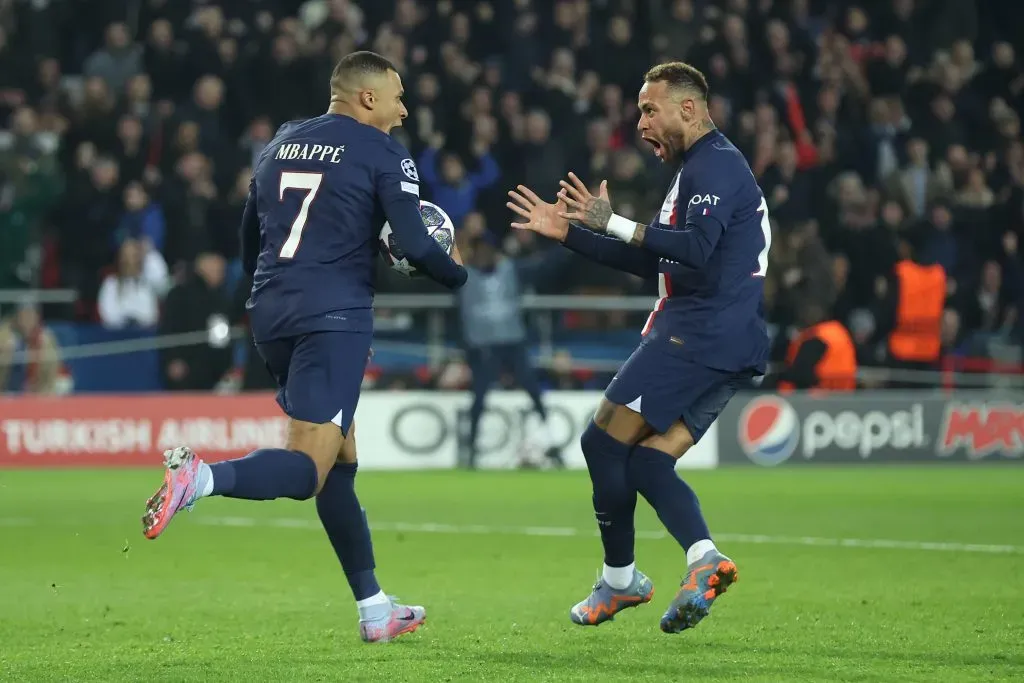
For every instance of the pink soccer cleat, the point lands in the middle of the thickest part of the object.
(401, 620)
(178, 491)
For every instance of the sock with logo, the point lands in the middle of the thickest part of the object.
(344, 520)
(653, 473)
(614, 499)
(265, 474)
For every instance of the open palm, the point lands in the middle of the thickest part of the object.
(538, 216)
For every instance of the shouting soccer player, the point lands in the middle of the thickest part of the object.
(320, 193)
(706, 337)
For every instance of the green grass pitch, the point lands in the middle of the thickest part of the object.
(242, 591)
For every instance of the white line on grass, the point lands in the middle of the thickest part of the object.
(760, 539)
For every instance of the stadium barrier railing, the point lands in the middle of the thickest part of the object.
(437, 348)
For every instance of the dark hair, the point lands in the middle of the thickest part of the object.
(357, 65)
(678, 75)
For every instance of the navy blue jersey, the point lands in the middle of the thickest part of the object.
(708, 248)
(320, 193)
(712, 238)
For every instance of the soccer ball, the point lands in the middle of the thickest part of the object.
(438, 225)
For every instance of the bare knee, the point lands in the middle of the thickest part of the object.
(347, 452)
(621, 423)
(321, 442)
(675, 441)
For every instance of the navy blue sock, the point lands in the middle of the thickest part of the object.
(614, 496)
(345, 523)
(266, 474)
(653, 473)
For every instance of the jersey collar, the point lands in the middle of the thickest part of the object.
(703, 142)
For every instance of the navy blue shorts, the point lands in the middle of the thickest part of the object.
(318, 374)
(662, 383)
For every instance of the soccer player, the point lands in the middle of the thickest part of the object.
(706, 337)
(320, 193)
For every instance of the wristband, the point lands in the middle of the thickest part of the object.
(622, 228)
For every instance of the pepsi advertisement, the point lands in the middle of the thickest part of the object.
(871, 426)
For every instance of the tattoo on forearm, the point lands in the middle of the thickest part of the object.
(597, 213)
(638, 235)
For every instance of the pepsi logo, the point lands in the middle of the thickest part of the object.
(768, 430)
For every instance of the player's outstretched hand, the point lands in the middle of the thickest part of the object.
(538, 216)
(583, 207)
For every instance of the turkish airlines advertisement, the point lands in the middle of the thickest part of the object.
(394, 430)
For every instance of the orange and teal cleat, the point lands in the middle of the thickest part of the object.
(706, 579)
(604, 602)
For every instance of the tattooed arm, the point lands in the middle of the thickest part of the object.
(691, 245)
(545, 219)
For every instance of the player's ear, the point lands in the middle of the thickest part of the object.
(686, 108)
(367, 99)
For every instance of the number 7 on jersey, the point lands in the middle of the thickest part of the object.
(293, 180)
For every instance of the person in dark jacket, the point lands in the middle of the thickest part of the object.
(199, 305)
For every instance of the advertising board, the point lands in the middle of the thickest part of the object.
(395, 430)
(872, 426)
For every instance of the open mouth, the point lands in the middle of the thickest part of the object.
(655, 144)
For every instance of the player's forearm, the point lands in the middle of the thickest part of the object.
(421, 250)
(439, 267)
(610, 252)
(691, 246)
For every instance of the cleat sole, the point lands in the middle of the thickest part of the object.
(154, 520)
(690, 613)
(176, 457)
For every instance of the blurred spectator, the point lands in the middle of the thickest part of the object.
(117, 61)
(91, 215)
(878, 121)
(451, 187)
(30, 182)
(142, 219)
(127, 298)
(40, 370)
(200, 306)
(916, 185)
(939, 241)
(989, 306)
(804, 274)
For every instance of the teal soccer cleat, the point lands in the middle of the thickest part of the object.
(706, 579)
(604, 602)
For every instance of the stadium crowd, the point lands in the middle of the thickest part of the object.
(131, 128)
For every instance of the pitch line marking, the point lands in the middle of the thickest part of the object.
(757, 539)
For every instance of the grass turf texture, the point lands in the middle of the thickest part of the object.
(267, 601)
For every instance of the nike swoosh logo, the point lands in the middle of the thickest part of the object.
(411, 616)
